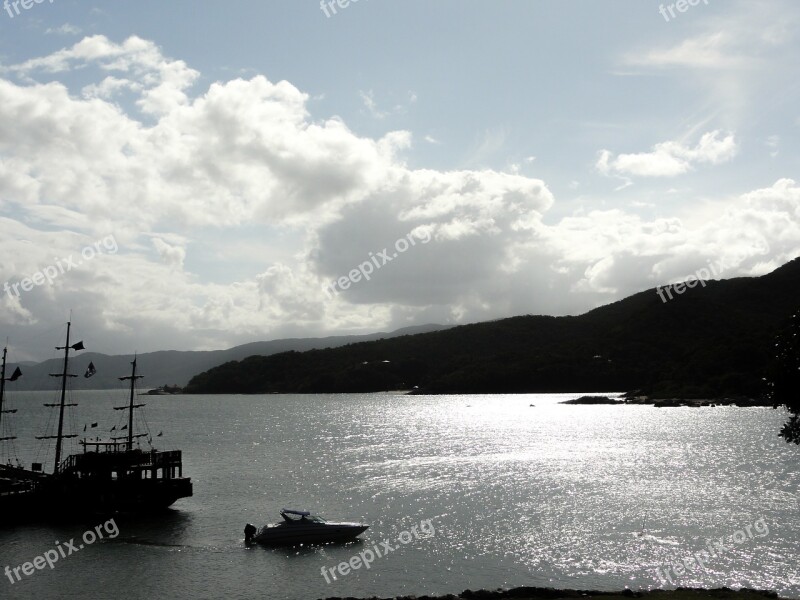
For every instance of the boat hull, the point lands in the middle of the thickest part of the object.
(17, 502)
(136, 496)
(80, 498)
(18, 493)
(313, 533)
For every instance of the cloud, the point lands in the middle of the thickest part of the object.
(733, 62)
(466, 214)
(746, 37)
(714, 50)
(171, 255)
(243, 153)
(233, 206)
(401, 108)
(669, 159)
(162, 82)
(65, 29)
(612, 253)
(487, 145)
(368, 98)
(773, 142)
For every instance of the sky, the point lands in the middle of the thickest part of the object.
(194, 175)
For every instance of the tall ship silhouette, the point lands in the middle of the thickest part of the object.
(113, 475)
(17, 484)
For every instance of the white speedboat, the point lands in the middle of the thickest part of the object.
(301, 527)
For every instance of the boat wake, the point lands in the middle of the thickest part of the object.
(651, 538)
(140, 542)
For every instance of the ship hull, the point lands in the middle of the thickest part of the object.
(109, 497)
(67, 498)
(18, 499)
(16, 503)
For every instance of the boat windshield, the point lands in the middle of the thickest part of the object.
(307, 518)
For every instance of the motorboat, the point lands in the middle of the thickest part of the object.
(301, 527)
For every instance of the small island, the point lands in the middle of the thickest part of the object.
(593, 400)
(165, 390)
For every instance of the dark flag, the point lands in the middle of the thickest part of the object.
(160, 433)
(90, 370)
(15, 375)
(114, 428)
(78, 346)
(124, 427)
(94, 425)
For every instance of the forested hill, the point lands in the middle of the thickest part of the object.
(707, 342)
(174, 367)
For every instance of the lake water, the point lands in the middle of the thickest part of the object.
(549, 495)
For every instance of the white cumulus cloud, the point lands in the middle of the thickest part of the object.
(668, 159)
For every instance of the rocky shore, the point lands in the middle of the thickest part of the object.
(697, 402)
(632, 398)
(534, 593)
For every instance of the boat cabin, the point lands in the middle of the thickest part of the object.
(111, 460)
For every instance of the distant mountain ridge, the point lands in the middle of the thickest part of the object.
(167, 367)
(712, 340)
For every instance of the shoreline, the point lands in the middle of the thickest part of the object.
(668, 402)
(537, 593)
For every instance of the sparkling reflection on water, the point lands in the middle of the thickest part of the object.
(547, 495)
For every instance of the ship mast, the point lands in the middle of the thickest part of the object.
(14, 376)
(60, 437)
(131, 406)
(2, 387)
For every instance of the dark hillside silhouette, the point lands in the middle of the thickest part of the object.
(710, 341)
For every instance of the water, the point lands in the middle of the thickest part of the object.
(548, 495)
